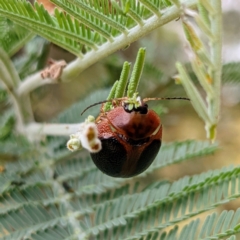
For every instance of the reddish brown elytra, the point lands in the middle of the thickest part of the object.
(130, 135)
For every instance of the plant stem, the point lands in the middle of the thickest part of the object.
(32, 82)
(16, 103)
(9, 78)
(11, 81)
(43, 129)
(216, 54)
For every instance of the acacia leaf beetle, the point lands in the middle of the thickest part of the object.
(130, 134)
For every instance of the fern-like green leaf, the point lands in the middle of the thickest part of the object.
(61, 29)
(85, 26)
(56, 233)
(214, 227)
(148, 211)
(27, 220)
(180, 152)
(6, 124)
(230, 72)
(73, 184)
(12, 36)
(34, 58)
(158, 208)
(96, 16)
(13, 144)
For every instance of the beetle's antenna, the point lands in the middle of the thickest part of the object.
(144, 100)
(105, 101)
(166, 98)
(94, 105)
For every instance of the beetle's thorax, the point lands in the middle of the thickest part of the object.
(132, 126)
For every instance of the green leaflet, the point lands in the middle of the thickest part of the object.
(148, 211)
(100, 22)
(33, 183)
(12, 36)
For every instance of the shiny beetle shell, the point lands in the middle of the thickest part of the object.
(130, 141)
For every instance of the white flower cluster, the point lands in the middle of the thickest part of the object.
(86, 137)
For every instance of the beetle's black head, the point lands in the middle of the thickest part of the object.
(143, 109)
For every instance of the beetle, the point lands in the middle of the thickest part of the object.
(131, 136)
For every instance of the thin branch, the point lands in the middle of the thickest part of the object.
(15, 101)
(32, 82)
(121, 41)
(9, 79)
(8, 70)
(52, 129)
(216, 48)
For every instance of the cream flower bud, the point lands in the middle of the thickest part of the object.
(74, 143)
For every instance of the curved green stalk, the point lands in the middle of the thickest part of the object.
(121, 87)
(107, 106)
(136, 73)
